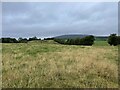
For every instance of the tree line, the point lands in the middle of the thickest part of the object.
(113, 39)
(88, 40)
(20, 40)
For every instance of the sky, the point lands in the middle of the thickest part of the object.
(48, 19)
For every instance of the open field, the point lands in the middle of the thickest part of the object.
(48, 64)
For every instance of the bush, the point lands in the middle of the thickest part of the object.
(21, 40)
(9, 40)
(48, 38)
(113, 39)
(33, 38)
(118, 40)
(61, 41)
(88, 40)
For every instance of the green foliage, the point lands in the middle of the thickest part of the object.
(22, 40)
(48, 38)
(118, 39)
(61, 41)
(33, 38)
(9, 40)
(113, 39)
(88, 40)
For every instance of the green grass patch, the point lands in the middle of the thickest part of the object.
(100, 43)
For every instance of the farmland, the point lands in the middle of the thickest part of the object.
(48, 64)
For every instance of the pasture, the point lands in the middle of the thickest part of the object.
(47, 64)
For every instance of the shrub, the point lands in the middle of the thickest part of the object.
(118, 40)
(88, 40)
(33, 38)
(61, 41)
(48, 38)
(9, 40)
(113, 39)
(22, 40)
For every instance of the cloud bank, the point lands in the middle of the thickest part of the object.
(27, 19)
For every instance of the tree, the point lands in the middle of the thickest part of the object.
(113, 39)
(33, 38)
(48, 38)
(77, 41)
(19, 39)
(118, 40)
(22, 40)
(88, 40)
(9, 40)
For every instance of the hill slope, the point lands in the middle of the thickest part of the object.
(70, 36)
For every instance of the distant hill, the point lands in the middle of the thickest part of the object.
(72, 36)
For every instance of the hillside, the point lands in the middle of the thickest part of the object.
(70, 36)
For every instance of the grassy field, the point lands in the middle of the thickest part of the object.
(48, 64)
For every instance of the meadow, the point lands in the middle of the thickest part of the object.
(47, 64)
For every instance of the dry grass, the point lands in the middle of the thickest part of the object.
(0, 65)
(53, 65)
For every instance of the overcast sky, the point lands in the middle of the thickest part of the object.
(48, 19)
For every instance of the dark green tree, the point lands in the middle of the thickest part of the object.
(33, 38)
(113, 39)
(118, 40)
(22, 40)
(88, 40)
(9, 40)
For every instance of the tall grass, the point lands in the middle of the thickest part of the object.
(1, 66)
(36, 64)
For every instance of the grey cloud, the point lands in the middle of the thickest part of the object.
(50, 19)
